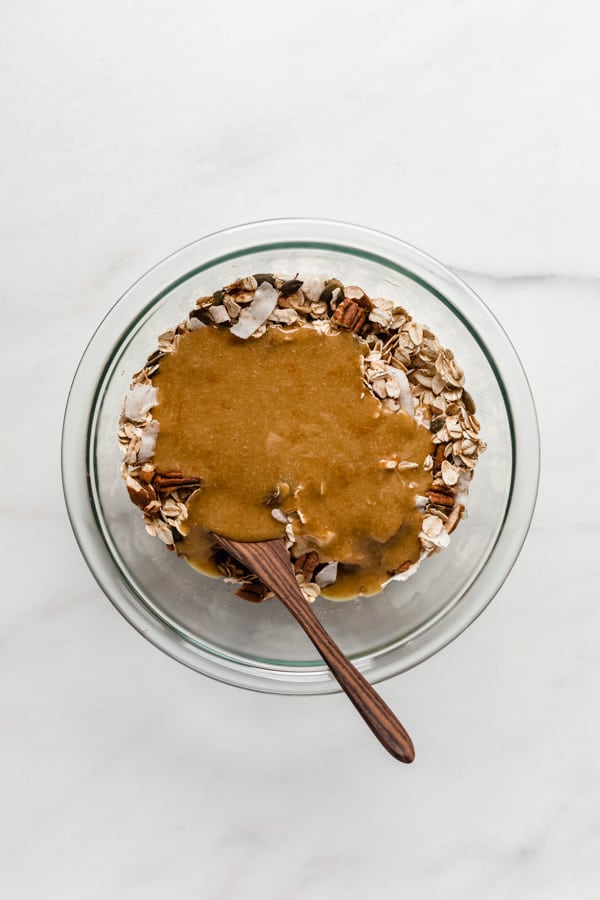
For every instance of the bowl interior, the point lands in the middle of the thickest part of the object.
(201, 614)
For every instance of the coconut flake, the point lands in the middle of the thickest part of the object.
(219, 315)
(405, 397)
(257, 313)
(327, 575)
(194, 324)
(139, 401)
(279, 516)
(462, 488)
(312, 287)
(437, 542)
(290, 534)
(148, 442)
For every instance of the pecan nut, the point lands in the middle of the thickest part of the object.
(254, 591)
(146, 473)
(174, 481)
(439, 455)
(454, 518)
(307, 564)
(437, 498)
(351, 314)
(140, 493)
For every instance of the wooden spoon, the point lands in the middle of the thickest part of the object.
(270, 560)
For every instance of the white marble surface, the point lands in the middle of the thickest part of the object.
(131, 128)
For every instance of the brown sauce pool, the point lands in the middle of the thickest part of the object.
(285, 420)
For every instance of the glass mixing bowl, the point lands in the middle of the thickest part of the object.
(198, 620)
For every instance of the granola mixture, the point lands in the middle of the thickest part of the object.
(404, 367)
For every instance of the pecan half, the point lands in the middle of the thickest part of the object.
(454, 518)
(146, 473)
(226, 564)
(173, 481)
(307, 564)
(439, 455)
(140, 493)
(352, 314)
(436, 498)
(254, 591)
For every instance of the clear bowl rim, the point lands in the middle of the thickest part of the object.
(367, 243)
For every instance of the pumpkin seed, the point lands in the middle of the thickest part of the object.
(158, 355)
(469, 402)
(290, 287)
(202, 315)
(265, 277)
(330, 286)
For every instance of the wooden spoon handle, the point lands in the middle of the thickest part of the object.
(376, 713)
(270, 561)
